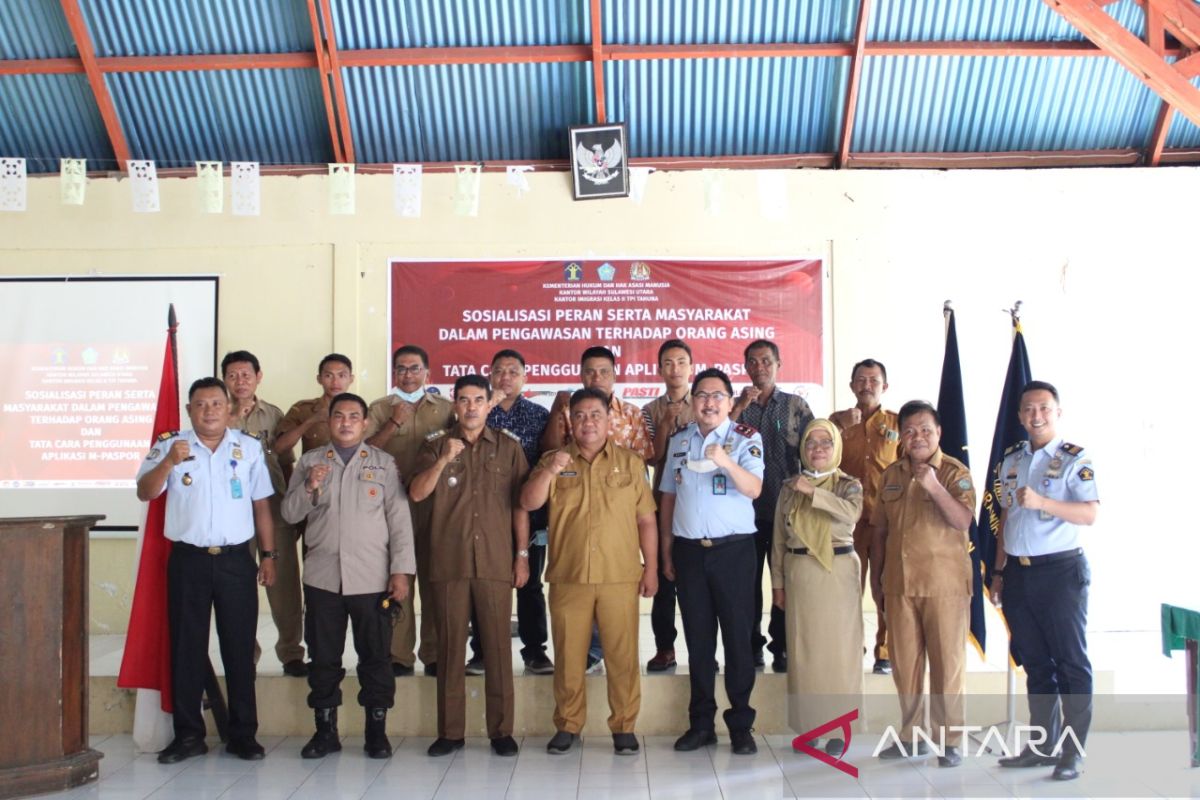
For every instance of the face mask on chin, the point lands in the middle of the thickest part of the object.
(410, 397)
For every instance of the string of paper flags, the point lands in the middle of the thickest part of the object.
(245, 196)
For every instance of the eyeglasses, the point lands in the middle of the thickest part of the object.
(415, 369)
(704, 397)
(818, 444)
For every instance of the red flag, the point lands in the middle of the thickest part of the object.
(146, 662)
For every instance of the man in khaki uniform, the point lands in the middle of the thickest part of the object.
(401, 421)
(259, 418)
(664, 416)
(870, 443)
(921, 578)
(360, 552)
(473, 475)
(627, 426)
(601, 519)
(307, 421)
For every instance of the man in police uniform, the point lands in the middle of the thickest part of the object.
(870, 443)
(400, 422)
(217, 502)
(257, 417)
(921, 578)
(307, 421)
(665, 415)
(603, 556)
(780, 418)
(474, 476)
(714, 471)
(360, 552)
(1048, 494)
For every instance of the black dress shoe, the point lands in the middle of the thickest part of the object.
(897, 751)
(1028, 758)
(625, 744)
(247, 749)
(741, 741)
(401, 670)
(431, 670)
(882, 667)
(475, 666)
(561, 742)
(1067, 768)
(444, 747)
(694, 739)
(296, 668)
(779, 663)
(539, 665)
(179, 749)
(950, 757)
(504, 746)
(663, 660)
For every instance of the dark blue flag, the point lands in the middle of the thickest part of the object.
(953, 413)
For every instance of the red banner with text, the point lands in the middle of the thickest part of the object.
(462, 312)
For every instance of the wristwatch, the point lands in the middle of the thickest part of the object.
(272, 554)
(522, 554)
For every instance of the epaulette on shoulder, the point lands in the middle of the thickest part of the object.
(1014, 448)
(429, 437)
(742, 429)
(1071, 449)
(162, 437)
(511, 435)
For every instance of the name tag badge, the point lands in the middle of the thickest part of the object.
(235, 488)
(718, 484)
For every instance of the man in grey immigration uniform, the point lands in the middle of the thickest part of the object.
(360, 554)
(1048, 494)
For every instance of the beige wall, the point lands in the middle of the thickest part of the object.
(1105, 261)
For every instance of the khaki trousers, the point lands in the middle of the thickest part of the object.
(492, 602)
(574, 607)
(285, 597)
(863, 533)
(933, 629)
(404, 635)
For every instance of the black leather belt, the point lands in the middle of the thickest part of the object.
(716, 541)
(212, 551)
(1049, 558)
(837, 551)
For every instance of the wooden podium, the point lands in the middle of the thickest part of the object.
(44, 655)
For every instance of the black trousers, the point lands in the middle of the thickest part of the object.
(776, 628)
(199, 585)
(662, 613)
(714, 585)
(1046, 609)
(531, 611)
(325, 619)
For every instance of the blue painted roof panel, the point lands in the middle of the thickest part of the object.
(34, 29)
(459, 23)
(728, 21)
(984, 20)
(48, 117)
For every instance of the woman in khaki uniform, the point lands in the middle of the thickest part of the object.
(815, 571)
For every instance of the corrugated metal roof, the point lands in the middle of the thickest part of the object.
(728, 21)
(176, 118)
(984, 20)
(192, 27)
(459, 23)
(466, 112)
(1184, 132)
(982, 104)
(34, 29)
(48, 117)
(727, 106)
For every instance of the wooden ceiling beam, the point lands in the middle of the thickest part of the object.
(1183, 19)
(856, 65)
(339, 88)
(95, 78)
(1132, 53)
(597, 58)
(326, 90)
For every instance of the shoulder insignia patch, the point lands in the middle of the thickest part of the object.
(745, 430)
(429, 437)
(1071, 449)
(964, 483)
(162, 437)
(853, 487)
(152, 454)
(511, 435)
(1018, 446)
(1087, 474)
(432, 390)
(756, 451)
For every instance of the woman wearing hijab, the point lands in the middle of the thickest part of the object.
(815, 571)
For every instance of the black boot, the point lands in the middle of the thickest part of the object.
(325, 740)
(377, 744)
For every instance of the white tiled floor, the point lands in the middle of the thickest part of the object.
(1119, 765)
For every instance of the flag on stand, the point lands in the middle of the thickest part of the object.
(146, 661)
(952, 410)
(1008, 433)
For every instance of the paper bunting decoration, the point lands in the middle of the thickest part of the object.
(772, 196)
(406, 189)
(143, 182)
(516, 178)
(638, 177)
(466, 193)
(246, 188)
(210, 175)
(13, 184)
(714, 190)
(341, 188)
(72, 180)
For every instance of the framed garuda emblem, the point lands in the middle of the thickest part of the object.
(599, 161)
